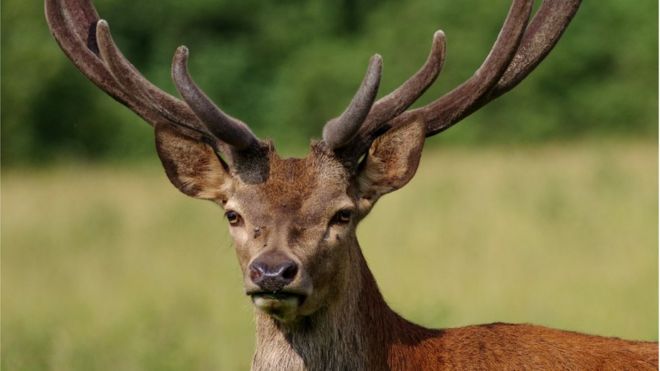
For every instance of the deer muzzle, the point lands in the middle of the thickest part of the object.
(273, 285)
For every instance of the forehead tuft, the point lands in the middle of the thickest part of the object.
(293, 181)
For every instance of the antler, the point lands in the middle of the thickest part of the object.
(87, 41)
(231, 130)
(341, 130)
(519, 48)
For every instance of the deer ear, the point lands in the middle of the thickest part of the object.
(391, 162)
(192, 165)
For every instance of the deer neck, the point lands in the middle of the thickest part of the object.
(355, 332)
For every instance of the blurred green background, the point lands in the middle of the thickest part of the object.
(541, 207)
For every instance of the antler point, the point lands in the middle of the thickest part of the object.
(102, 25)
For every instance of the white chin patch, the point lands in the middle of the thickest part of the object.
(281, 308)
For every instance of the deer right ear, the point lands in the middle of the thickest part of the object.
(191, 165)
(391, 163)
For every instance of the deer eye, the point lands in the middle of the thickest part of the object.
(233, 217)
(342, 217)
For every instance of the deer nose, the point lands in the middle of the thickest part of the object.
(271, 273)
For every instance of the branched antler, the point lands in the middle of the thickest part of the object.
(87, 41)
(519, 48)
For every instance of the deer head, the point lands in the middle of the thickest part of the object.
(293, 221)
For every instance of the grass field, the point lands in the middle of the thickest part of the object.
(109, 268)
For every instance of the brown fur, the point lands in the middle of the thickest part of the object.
(360, 332)
(344, 322)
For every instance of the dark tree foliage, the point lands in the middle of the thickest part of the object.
(286, 67)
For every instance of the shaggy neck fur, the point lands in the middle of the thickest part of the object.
(358, 331)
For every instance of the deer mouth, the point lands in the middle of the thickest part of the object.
(278, 297)
(281, 305)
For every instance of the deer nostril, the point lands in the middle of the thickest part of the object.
(289, 271)
(257, 270)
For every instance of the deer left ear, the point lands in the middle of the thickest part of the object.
(391, 162)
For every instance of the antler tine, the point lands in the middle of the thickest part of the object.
(80, 15)
(130, 78)
(88, 43)
(73, 23)
(223, 126)
(543, 33)
(540, 37)
(405, 95)
(80, 47)
(340, 130)
(451, 107)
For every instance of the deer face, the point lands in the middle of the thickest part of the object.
(290, 232)
(293, 221)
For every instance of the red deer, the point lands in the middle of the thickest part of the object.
(293, 221)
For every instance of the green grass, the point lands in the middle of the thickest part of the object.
(112, 269)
